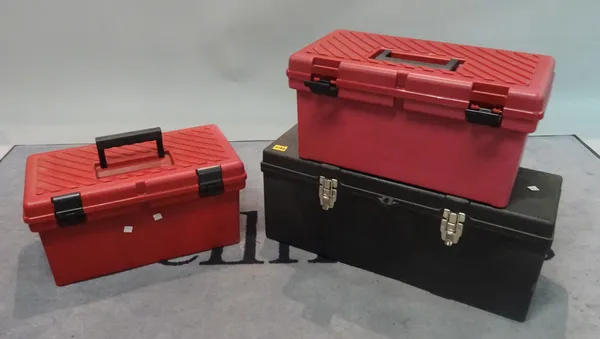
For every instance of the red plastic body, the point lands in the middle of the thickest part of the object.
(132, 191)
(407, 122)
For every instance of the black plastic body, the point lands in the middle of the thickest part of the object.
(129, 138)
(393, 230)
(388, 55)
(68, 209)
(210, 181)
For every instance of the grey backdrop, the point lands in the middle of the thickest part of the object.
(70, 68)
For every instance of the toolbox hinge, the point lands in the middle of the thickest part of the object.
(452, 226)
(488, 116)
(68, 209)
(327, 192)
(210, 181)
(320, 86)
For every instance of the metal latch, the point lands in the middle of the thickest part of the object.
(327, 192)
(451, 226)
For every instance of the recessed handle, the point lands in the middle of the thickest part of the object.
(129, 138)
(418, 60)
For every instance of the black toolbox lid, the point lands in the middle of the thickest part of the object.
(531, 212)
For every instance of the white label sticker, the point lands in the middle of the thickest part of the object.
(533, 188)
(157, 216)
(128, 229)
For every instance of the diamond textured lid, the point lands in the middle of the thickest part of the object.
(441, 74)
(134, 172)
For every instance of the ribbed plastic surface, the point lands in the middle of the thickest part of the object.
(135, 175)
(139, 209)
(494, 65)
(420, 104)
(69, 169)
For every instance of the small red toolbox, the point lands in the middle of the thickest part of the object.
(133, 199)
(446, 117)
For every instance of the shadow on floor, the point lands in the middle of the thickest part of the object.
(36, 292)
(337, 293)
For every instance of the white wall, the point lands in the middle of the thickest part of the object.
(70, 68)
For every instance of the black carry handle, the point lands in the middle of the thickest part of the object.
(129, 138)
(388, 55)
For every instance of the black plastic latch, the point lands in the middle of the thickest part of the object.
(484, 116)
(456, 202)
(210, 181)
(68, 209)
(322, 87)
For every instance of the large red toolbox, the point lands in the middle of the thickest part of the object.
(133, 199)
(446, 117)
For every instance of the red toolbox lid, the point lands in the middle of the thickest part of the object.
(432, 77)
(71, 185)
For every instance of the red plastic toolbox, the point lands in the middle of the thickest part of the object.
(116, 205)
(446, 117)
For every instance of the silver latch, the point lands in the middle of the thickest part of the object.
(451, 226)
(327, 192)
